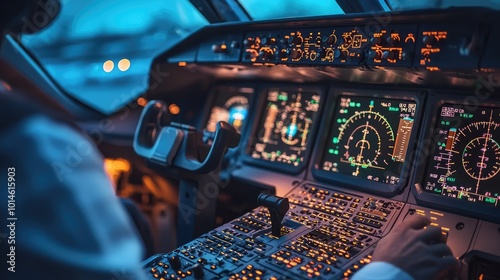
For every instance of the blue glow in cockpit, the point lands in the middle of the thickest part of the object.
(292, 130)
(237, 113)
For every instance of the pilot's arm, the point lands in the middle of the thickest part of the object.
(69, 223)
(411, 251)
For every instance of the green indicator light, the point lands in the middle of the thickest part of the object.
(352, 104)
(372, 102)
(339, 120)
(437, 190)
(358, 105)
(335, 140)
(346, 111)
(331, 151)
(490, 200)
(278, 153)
(344, 120)
(460, 195)
(336, 152)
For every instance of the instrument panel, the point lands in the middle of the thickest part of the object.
(386, 139)
(367, 139)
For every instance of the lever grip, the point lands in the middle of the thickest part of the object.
(277, 207)
(225, 137)
(153, 138)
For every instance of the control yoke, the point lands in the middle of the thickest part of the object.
(277, 207)
(177, 145)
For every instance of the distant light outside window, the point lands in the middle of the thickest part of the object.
(100, 51)
(273, 9)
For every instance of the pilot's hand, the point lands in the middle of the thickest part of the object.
(420, 252)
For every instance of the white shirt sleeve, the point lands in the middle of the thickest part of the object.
(381, 271)
(70, 225)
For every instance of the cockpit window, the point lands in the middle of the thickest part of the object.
(100, 51)
(266, 9)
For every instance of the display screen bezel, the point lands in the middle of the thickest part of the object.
(362, 184)
(260, 114)
(425, 150)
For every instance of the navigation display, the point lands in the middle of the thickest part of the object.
(369, 138)
(286, 126)
(465, 164)
(231, 107)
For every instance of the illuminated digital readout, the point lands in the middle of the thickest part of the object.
(286, 126)
(465, 162)
(232, 109)
(369, 138)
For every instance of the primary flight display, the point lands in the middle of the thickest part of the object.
(369, 138)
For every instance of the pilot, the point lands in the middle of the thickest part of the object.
(412, 250)
(66, 223)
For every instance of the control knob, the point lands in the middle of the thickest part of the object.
(374, 54)
(175, 262)
(339, 54)
(296, 54)
(389, 55)
(284, 53)
(266, 54)
(429, 40)
(329, 39)
(295, 40)
(198, 271)
(391, 41)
